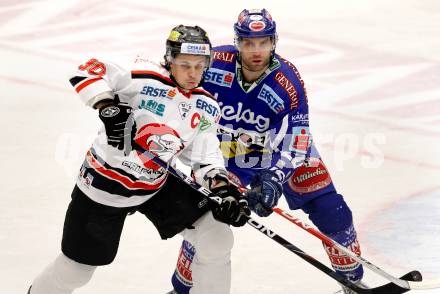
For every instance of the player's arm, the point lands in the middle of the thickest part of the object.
(97, 84)
(289, 142)
(206, 160)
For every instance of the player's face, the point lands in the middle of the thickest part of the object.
(188, 70)
(255, 52)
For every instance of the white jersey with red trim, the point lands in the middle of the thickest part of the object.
(169, 122)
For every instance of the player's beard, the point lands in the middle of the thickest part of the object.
(253, 67)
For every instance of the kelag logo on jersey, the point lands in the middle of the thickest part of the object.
(271, 98)
(238, 114)
(209, 108)
(219, 77)
(153, 106)
(158, 92)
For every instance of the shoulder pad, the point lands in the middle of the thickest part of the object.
(201, 91)
(227, 53)
(289, 68)
(141, 62)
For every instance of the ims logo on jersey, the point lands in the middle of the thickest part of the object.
(153, 106)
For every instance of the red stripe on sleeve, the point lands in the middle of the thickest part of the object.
(128, 183)
(86, 83)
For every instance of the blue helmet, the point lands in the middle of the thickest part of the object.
(255, 23)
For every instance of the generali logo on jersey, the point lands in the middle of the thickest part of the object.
(223, 56)
(289, 87)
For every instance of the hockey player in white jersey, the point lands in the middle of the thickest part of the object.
(149, 109)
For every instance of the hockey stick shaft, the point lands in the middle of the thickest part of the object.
(414, 285)
(389, 288)
(330, 242)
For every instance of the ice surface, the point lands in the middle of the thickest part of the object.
(373, 78)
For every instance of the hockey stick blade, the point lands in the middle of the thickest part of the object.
(385, 289)
(389, 288)
(330, 242)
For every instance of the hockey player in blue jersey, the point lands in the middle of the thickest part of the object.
(266, 143)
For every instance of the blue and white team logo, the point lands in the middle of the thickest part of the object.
(219, 77)
(271, 98)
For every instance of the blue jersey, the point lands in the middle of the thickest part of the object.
(264, 125)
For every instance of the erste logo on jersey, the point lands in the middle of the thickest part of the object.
(207, 107)
(152, 106)
(158, 92)
(219, 77)
(271, 98)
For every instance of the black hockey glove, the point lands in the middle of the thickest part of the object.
(265, 192)
(234, 208)
(115, 118)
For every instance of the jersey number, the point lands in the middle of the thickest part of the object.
(93, 67)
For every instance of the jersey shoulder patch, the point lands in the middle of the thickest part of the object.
(288, 77)
(290, 70)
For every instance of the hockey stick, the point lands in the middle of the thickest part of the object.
(414, 285)
(389, 288)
